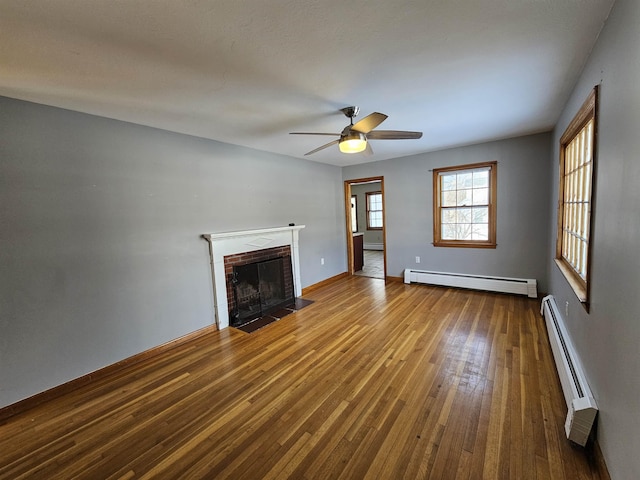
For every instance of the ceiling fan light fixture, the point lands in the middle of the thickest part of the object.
(353, 142)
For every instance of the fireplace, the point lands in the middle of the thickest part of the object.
(229, 249)
(258, 289)
(258, 283)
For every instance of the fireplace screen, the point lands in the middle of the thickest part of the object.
(260, 288)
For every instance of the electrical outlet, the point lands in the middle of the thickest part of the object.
(417, 259)
(322, 261)
(566, 309)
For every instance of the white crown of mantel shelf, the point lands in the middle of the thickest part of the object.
(231, 243)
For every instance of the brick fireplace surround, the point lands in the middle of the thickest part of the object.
(242, 246)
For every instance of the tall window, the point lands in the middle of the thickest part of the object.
(464, 205)
(354, 213)
(374, 210)
(577, 166)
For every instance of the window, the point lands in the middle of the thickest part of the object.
(464, 205)
(577, 167)
(374, 210)
(354, 213)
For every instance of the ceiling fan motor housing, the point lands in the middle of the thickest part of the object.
(350, 112)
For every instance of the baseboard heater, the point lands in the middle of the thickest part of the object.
(581, 406)
(521, 286)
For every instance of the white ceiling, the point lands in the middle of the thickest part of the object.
(247, 72)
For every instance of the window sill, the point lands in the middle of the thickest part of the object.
(461, 244)
(577, 287)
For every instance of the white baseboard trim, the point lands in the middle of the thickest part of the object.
(522, 286)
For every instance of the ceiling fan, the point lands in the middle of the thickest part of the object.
(353, 138)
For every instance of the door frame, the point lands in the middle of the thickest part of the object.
(349, 233)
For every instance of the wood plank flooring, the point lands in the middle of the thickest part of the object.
(371, 381)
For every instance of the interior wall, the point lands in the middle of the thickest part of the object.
(523, 206)
(100, 249)
(607, 337)
(370, 236)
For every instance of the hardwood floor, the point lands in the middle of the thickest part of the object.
(371, 381)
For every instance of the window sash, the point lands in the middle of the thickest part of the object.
(354, 213)
(577, 200)
(374, 210)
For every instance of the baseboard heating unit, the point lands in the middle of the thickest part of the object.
(581, 406)
(522, 286)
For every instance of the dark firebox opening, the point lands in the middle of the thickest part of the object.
(260, 288)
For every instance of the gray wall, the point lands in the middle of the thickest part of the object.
(370, 236)
(523, 206)
(100, 223)
(608, 338)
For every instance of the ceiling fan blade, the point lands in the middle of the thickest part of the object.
(326, 145)
(393, 135)
(369, 122)
(314, 133)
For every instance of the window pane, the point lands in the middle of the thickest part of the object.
(449, 215)
(464, 180)
(449, 232)
(463, 215)
(464, 197)
(480, 196)
(463, 231)
(480, 232)
(448, 182)
(480, 215)
(481, 179)
(449, 199)
(587, 180)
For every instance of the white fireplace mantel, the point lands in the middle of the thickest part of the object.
(230, 243)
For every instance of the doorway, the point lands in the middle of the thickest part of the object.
(366, 227)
